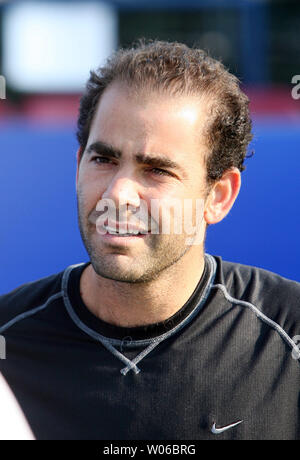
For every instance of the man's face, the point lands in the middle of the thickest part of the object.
(142, 149)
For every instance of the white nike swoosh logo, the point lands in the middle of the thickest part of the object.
(216, 430)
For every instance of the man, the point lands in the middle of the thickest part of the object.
(153, 338)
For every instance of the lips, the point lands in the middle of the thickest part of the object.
(126, 228)
(123, 232)
(123, 229)
(119, 238)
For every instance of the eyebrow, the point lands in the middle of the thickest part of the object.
(104, 149)
(157, 161)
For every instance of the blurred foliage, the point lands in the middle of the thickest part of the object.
(284, 36)
(215, 30)
(218, 30)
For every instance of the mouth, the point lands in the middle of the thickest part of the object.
(120, 234)
(118, 230)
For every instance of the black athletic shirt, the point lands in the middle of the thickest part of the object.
(225, 366)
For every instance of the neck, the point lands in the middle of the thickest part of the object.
(132, 305)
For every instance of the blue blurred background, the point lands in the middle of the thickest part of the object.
(45, 56)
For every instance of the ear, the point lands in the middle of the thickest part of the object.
(79, 154)
(222, 196)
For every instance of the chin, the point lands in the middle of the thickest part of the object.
(116, 273)
(121, 276)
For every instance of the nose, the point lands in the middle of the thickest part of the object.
(123, 190)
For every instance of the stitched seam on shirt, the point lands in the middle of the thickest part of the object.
(260, 315)
(140, 356)
(134, 343)
(28, 313)
(108, 344)
(187, 320)
(150, 343)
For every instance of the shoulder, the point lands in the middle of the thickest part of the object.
(267, 293)
(28, 297)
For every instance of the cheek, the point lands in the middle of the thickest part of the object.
(86, 202)
(89, 189)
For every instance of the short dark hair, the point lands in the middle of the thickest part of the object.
(177, 69)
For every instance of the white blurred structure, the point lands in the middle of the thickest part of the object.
(13, 425)
(51, 46)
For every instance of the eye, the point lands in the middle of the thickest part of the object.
(160, 172)
(101, 160)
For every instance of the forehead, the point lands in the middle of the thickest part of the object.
(149, 121)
